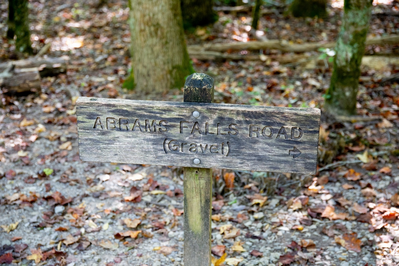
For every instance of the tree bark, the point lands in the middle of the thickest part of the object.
(159, 54)
(11, 20)
(256, 14)
(309, 8)
(197, 13)
(341, 96)
(23, 43)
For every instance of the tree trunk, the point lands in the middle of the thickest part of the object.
(22, 44)
(11, 20)
(341, 96)
(256, 14)
(197, 13)
(159, 54)
(309, 8)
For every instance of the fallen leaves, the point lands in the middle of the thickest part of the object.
(220, 261)
(352, 175)
(218, 250)
(6, 258)
(10, 227)
(25, 123)
(131, 223)
(359, 209)
(330, 214)
(66, 146)
(256, 253)
(37, 255)
(131, 234)
(108, 244)
(165, 250)
(350, 242)
(364, 157)
(135, 195)
(229, 231)
(237, 246)
(229, 180)
(71, 240)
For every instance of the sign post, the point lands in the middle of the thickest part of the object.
(198, 135)
(197, 185)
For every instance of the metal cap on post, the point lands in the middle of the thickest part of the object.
(197, 186)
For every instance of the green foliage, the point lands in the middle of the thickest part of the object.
(48, 171)
(129, 82)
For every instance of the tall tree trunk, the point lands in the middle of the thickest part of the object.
(256, 14)
(341, 96)
(11, 20)
(197, 13)
(22, 44)
(309, 8)
(159, 54)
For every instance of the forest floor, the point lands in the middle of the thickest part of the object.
(58, 210)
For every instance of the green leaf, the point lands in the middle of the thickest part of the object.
(232, 202)
(48, 171)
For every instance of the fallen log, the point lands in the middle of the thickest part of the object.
(284, 46)
(47, 67)
(246, 9)
(17, 81)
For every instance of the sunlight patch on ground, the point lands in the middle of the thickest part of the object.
(340, 3)
(67, 43)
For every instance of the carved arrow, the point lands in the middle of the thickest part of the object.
(294, 152)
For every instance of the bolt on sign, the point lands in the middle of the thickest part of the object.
(202, 135)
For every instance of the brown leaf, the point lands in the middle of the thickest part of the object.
(166, 250)
(322, 180)
(344, 202)
(131, 223)
(287, 259)
(177, 212)
(54, 253)
(395, 199)
(369, 192)
(108, 244)
(386, 170)
(62, 229)
(147, 234)
(229, 180)
(71, 240)
(135, 195)
(16, 238)
(364, 218)
(258, 199)
(371, 166)
(6, 258)
(83, 245)
(352, 243)
(359, 209)
(256, 253)
(217, 205)
(131, 234)
(307, 243)
(347, 186)
(390, 215)
(218, 250)
(36, 255)
(352, 175)
(330, 214)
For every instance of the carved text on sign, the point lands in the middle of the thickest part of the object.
(195, 127)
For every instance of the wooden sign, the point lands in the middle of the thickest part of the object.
(200, 135)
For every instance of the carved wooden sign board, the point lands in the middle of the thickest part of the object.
(201, 135)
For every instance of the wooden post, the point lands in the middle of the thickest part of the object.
(197, 187)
